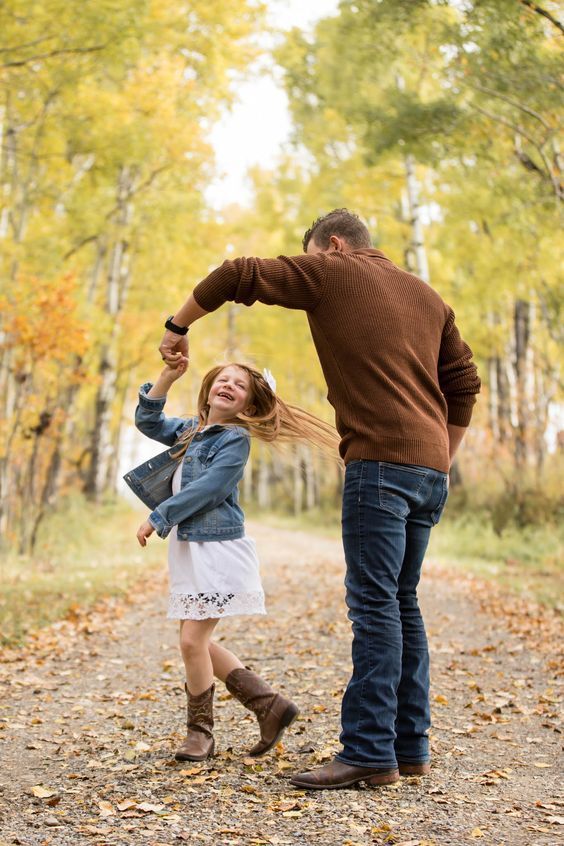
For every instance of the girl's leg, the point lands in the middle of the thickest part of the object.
(194, 645)
(195, 636)
(223, 661)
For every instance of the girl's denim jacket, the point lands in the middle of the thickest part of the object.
(206, 508)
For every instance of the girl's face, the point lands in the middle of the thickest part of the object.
(230, 394)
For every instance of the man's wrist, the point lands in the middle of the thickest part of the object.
(171, 326)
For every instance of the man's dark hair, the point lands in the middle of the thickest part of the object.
(340, 222)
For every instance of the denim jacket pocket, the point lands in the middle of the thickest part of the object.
(152, 480)
(399, 486)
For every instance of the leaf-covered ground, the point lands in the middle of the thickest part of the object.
(93, 707)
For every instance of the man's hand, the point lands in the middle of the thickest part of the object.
(143, 532)
(174, 348)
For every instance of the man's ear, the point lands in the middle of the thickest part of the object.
(337, 244)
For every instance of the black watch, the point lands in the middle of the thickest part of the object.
(172, 327)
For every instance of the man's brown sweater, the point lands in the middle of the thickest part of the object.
(395, 365)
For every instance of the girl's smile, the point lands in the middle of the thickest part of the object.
(229, 395)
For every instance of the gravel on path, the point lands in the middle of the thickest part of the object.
(92, 709)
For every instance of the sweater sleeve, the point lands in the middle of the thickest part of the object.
(290, 281)
(458, 375)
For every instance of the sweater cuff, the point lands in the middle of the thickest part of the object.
(151, 403)
(460, 415)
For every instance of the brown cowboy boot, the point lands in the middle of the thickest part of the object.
(199, 743)
(273, 711)
(336, 775)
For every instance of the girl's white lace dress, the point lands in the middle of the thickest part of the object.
(214, 578)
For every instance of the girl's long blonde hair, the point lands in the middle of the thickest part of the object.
(272, 420)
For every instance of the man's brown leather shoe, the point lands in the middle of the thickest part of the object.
(336, 774)
(414, 769)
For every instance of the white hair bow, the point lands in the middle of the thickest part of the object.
(269, 379)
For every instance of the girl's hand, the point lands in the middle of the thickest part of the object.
(143, 532)
(171, 374)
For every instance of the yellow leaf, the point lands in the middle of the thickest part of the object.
(106, 809)
(42, 792)
(440, 699)
(477, 832)
(126, 804)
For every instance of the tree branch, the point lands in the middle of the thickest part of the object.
(27, 44)
(547, 173)
(75, 50)
(527, 109)
(141, 187)
(540, 11)
(79, 246)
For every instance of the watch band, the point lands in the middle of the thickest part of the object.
(173, 327)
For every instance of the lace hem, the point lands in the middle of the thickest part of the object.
(207, 606)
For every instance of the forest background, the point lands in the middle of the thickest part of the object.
(437, 120)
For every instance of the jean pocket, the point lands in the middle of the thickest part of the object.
(437, 513)
(399, 486)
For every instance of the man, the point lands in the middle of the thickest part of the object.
(403, 384)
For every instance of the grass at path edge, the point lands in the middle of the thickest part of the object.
(90, 552)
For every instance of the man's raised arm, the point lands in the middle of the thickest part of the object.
(290, 281)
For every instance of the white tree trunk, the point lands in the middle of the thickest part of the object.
(417, 245)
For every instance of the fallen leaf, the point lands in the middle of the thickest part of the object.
(126, 804)
(151, 809)
(42, 792)
(106, 809)
(286, 806)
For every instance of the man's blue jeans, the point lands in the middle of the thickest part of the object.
(388, 512)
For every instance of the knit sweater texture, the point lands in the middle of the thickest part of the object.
(396, 367)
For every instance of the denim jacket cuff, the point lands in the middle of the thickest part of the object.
(150, 403)
(160, 526)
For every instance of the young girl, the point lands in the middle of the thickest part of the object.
(213, 566)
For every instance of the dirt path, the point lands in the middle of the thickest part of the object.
(91, 714)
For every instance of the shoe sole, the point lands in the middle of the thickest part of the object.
(370, 781)
(288, 717)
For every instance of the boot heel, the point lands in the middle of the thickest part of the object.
(414, 769)
(386, 777)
